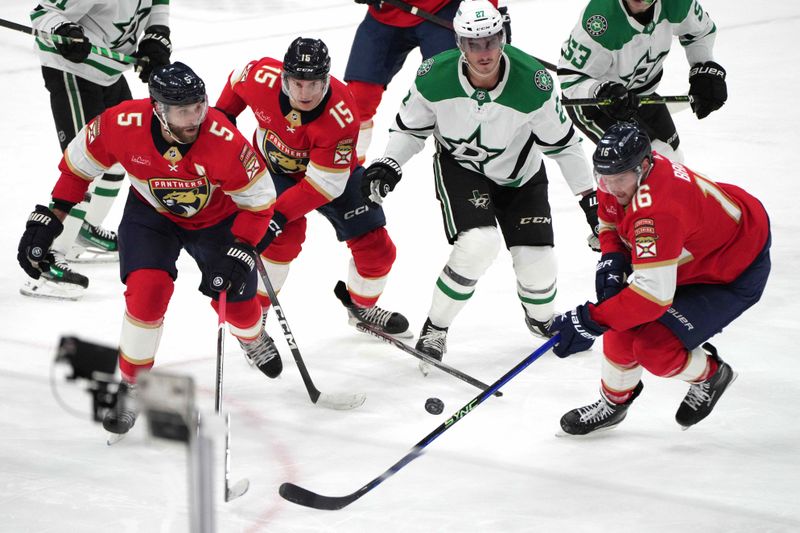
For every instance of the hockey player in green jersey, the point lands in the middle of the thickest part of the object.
(494, 113)
(617, 51)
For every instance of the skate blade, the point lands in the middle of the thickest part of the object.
(44, 288)
(735, 375)
(407, 334)
(237, 490)
(92, 255)
(563, 434)
(114, 438)
(425, 368)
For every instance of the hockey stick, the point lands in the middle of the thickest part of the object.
(301, 496)
(231, 493)
(439, 21)
(645, 100)
(332, 401)
(366, 328)
(99, 50)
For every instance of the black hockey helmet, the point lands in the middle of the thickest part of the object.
(307, 59)
(176, 84)
(623, 147)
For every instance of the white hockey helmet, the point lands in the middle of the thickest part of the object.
(476, 19)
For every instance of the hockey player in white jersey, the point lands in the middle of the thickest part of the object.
(83, 84)
(617, 51)
(494, 113)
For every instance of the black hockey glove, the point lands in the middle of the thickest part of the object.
(578, 331)
(506, 22)
(78, 47)
(589, 205)
(707, 88)
(610, 275)
(624, 103)
(369, 2)
(380, 177)
(33, 252)
(233, 268)
(154, 51)
(276, 224)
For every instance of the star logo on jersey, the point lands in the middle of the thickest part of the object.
(127, 30)
(643, 70)
(596, 25)
(471, 151)
(479, 200)
(543, 80)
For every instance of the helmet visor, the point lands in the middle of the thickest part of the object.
(616, 183)
(185, 115)
(482, 44)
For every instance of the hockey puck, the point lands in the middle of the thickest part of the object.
(434, 406)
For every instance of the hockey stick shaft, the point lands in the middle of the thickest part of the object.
(301, 496)
(644, 100)
(313, 392)
(222, 304)
(366, 328)
(99, 50)
(439, 21)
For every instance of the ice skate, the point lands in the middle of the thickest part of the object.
(540, 329)
(432, 342)
(702, 397)
(95, 244)
(602, 415)
(60, 282)
(120, 419)
(389, 322)
(263, 353)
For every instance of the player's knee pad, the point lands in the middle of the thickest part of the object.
(535, 266)
(658, 350)
(287, 246)
(244, 318)
(367, 96)
(373, 253)
(474, 251)
(147, 294)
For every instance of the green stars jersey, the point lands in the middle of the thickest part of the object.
(116, 25)
(608, 44)
(501, 133)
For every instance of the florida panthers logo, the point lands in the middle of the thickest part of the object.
(184, 198)
(281, 158)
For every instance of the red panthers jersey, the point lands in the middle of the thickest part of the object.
(218, 175)
(392, 16)
(316, 148)
(680, 228)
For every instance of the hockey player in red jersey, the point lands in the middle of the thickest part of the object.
(197, 185)
(307, 134)
(381, 44)
(696, 256)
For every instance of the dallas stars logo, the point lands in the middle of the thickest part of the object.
(479, 200)
(127, 30)
(644, 69)
(472, 151)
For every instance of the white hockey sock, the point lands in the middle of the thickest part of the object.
(472, 253)
(277, 274)
(364, 140)
(103, 194)
(695, 367)
(361, 288)
(536, 270)
(72, 226)
(619, 381)
(138, 343)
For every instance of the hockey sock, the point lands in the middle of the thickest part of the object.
(277, 274)
(536, 268)
(472, 253)
(699, 367)
(373, 256)
(244, 318)
(103, 195)
(364, 140)
(368, 97)
(617, 381)
(72, 226)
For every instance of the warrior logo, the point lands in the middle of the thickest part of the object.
(596, 25)
(425, 67)
(543, 80)
(479, 200)
(181, 197)
(281, 158)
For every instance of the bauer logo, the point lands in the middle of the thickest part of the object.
(543, 80)
(596, 25)
(425, 67)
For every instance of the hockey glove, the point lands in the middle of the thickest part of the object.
(610, 275)
(233, 268)
(154, 51)
(506, 22)
(578, 331)
(33, 252)
(379, 179)
(707, 88)
(276, 224)
(77, 48)
(589, 205)
(623, 103)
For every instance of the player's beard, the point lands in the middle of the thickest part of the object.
(185, 135)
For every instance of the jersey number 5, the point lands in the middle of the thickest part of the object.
(341, 114)
(126, 119)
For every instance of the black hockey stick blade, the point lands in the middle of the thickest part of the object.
(366, 328)
(307, 498)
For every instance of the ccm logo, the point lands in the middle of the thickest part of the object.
(355, 212)
(535, 220)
